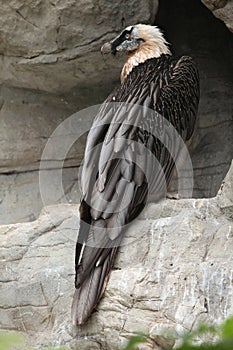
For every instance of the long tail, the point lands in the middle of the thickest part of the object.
(87, 296)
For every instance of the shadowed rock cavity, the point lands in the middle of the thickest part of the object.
(192, 30)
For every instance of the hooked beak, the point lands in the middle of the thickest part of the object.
(107, 48)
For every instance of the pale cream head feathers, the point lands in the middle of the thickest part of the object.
(152, 45)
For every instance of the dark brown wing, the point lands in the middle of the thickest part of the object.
(128, 155)
(179, 98)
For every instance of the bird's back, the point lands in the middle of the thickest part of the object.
(128, 155)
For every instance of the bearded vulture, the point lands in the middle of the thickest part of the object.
(118, 172)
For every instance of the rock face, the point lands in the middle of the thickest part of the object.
(51, 67)
(45, 44)
(173, 270)
(222, 9)
(27, 120)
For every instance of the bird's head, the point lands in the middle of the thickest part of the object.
(137, 37)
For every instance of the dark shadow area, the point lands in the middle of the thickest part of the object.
(191, 29)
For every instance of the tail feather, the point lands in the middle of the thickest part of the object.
(87, 296)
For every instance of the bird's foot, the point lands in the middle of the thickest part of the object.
(174, 196)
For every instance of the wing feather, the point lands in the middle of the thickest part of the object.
(129, 154)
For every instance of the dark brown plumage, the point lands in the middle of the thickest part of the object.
(118, 174)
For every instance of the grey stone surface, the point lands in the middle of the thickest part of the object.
(51, 67)
(21, 198)
(28, 120)
(173, 270)
(222, 9)
(45, 44)
(29, 117)
(179, 257)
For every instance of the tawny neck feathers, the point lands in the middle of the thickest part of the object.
(152, 46)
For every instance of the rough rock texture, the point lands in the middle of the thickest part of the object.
(45, 43)
(222, 9)
(27, 120)
(19, 190)
(173, 270)
(179, 253)
(51, 67)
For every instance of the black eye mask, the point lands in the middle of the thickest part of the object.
(120, 39)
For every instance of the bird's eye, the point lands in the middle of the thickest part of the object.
(127, 36)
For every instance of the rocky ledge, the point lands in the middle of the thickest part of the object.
(174, 269)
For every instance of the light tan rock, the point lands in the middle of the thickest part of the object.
(225, 197)
(173, 270)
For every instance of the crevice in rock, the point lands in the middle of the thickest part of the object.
(25, 19)
(16, 172)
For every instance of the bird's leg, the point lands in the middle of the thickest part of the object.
(174, 196)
